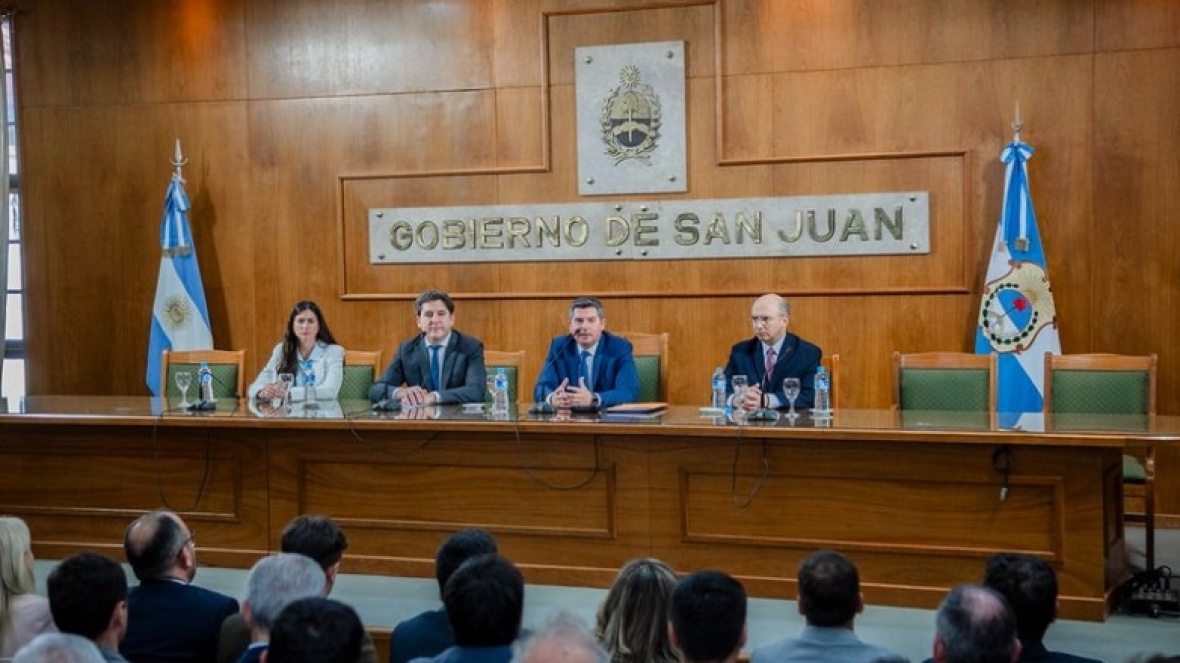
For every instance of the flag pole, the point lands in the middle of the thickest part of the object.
(178, 161)
(1017, 126)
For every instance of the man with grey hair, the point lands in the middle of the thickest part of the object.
(58, 648)
(590, 367)
(975, 625)
(169, 620)
(274, 582)
(437, 366)
(564, 639)
(772, 355)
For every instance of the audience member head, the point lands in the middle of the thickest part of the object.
(276, 581)
(484, 600)
(16, 564)
(829, 589)
(709, 617)
(974, 625)
(1029, 585)
(59, 648)
(564, 639)
(319, 538)
(159, 545)
(633, 620)
(315, 630)
(458, 548)
(88, 597)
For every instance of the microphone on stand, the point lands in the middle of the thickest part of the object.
(542, 406)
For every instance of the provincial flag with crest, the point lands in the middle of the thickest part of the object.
(180, 316)
(1017, 318)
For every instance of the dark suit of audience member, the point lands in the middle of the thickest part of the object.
(793, 356)
(429, 633)
(410, 379)
(169, 620)
(88, 597)
(590, 366)
(319, 538)
(708, 618)
(829, 599)
(975, 625)
(1029, 585)
(484, 600)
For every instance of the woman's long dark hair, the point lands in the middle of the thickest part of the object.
(290, 362)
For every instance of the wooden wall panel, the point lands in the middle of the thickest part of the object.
(377, 103)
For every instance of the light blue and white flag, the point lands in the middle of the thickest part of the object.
(180, 316)
(1017, 318)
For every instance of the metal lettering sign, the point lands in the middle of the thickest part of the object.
(631, 118)
(843, 225)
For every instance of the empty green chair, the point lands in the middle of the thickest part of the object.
(360, 371)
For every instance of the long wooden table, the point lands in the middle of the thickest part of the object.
(916, 501)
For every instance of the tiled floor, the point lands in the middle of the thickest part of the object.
(386, 601)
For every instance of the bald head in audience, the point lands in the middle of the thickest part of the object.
(59, 648)
(975, 625)
(157, 546)
(565, 639)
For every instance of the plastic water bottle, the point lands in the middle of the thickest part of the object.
(718, 400)
(500, 391)
(823, 394)
(308, 370)
(205, 383)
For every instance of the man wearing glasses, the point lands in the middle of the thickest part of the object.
(169, 619)
(770, 356)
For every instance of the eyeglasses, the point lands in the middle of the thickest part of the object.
(756, 320)
(192, 539)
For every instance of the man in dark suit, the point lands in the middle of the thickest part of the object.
(438, 366)
(589, 368)
(1029, 585)
(774, 346)
(275, 582)
(169, 619)
(429, 633)
(975, 625)
(484, 600)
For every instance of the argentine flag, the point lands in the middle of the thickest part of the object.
(1017, 317)
(180, 316)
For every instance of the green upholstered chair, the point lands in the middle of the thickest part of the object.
(360, 370)
(1111, 384)
(651, 362)
(944, 382)
(511, 362)
(228, 367)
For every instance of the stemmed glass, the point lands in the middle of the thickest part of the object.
(791, 389)
(183, 380)
(286, 380)
(740, 384)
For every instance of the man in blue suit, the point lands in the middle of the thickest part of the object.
(774, 346)
(169, 619)
(589, 368)
(437, 366)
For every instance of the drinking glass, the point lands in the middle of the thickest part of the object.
(740, 384)
(286, 380)
(791, 389)
(183, 380)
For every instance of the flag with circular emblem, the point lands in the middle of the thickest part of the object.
(180, 316)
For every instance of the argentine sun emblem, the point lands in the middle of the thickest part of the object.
(631, 119)
(1016, 307)
(177, 312)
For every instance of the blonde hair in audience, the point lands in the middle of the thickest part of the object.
(15, 575)
(632, 622)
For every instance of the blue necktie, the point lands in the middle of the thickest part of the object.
(435, 367)
(584, 371)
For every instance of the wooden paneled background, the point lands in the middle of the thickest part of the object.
(296, 115)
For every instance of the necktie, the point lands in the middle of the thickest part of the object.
(770, 358)
(584, 367)
(435, 367)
